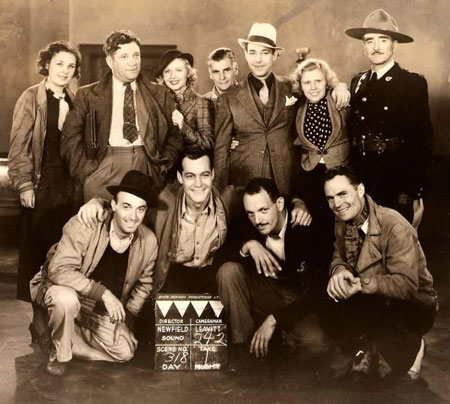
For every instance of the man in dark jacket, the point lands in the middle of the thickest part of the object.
(390, 120)
(120, 123)
(273, 270)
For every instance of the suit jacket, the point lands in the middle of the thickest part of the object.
(299, 266)
(396, 107)
(237, 115)
(85, 136)
(337, 147)
(197, 127)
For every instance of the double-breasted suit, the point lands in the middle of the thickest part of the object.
(264, 146)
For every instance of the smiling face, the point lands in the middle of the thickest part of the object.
(314, 85)
(125, 62)
(267, 216)
(129, 211)
(260, 60)
(223, 73)
(197, 178)
(379, 49)
(61, 69)
(175, 75)
(346, 200)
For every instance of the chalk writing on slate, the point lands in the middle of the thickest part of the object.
(190, 332)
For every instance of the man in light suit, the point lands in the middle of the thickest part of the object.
(120, 123)
(259, 114)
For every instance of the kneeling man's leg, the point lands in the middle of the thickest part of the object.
(63, 306)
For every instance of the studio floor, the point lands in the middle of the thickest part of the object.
(23, 380)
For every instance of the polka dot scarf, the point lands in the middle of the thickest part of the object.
(317, 127)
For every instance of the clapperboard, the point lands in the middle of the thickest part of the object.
(190, 332)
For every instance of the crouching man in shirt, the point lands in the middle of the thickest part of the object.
(95, 280)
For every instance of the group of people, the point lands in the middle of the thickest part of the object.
(258, 191)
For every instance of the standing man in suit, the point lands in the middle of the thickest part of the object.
(273, 273)
(223, 71)
(120, 123)
(390, 120)
(259, 113)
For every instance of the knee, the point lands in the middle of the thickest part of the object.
(62, 299)
(230, 273)
(308, 337)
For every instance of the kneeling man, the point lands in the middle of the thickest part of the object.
(379, 280)
(95, 280)
(273, 274)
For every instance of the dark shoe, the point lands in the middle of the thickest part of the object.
(55, 368)
(363, 365)
(44, 340)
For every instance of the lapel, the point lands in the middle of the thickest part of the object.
(41, 99)
(362, 82)
(369, 252)
(335, 121)
(102, 104)
(244, 96)
(141, 112)
(189, 102)
(282, 91)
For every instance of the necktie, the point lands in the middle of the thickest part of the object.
(373, 80)
(264, 92)
(63, 110)
(129, 115)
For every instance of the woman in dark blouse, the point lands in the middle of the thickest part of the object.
(35, 166)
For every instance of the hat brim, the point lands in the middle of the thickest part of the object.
(150, 197)
(184, 55)
(358, 33)
(243, 42)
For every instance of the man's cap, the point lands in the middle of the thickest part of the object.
(261, 34)
(169, 56)
(379, 22)
(139, 184)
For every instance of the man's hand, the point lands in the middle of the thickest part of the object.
(114, 307)
(262, 336)
(300, 214)
(343, 284)
(341, 96)
(177, 118)
(91, 213)
(27, 198)
(264, 260)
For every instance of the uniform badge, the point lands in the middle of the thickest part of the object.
(388, 78)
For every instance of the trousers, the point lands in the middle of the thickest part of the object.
(78, 330)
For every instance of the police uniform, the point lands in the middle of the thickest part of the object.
(391, 134)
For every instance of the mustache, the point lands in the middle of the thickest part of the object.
(377, 53)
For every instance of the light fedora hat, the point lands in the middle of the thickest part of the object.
(379, 22)
(261, 34)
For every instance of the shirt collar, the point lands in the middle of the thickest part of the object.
(58, 97)
(118, 244)
(380, 73)
(257, 83)
(120, 85)
(365, 226)
(207, 210)
(282, 232)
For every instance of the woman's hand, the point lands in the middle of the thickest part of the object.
(27, 198)
(234, 144)
(177, 118)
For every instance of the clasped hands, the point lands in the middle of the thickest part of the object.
(343, 284)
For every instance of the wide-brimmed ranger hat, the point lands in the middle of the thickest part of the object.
(261, 34)
(139, 184)
(379, 22)
(169, 56)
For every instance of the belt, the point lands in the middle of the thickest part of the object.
(370, 144)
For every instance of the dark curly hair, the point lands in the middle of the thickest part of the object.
(46, 54)
(117, 38)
